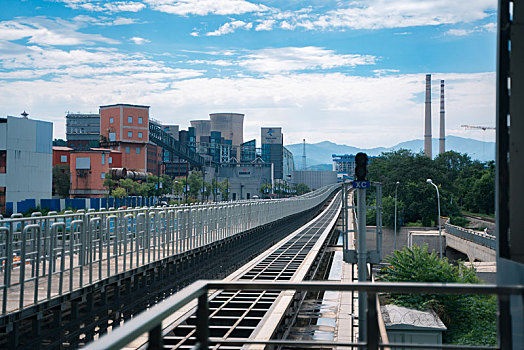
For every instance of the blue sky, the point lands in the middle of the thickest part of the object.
(351, 72)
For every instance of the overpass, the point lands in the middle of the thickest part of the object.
(477, 245)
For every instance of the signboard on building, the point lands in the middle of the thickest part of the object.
(271, 136)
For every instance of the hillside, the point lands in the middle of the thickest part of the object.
(320, 153)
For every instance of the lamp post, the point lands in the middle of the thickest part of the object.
(396, 188)
(429, 181)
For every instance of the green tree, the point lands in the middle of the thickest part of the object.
(224, 189)
(195, 183)
(109, 183)
(118, 192)
(265, 188)
(61, 180)
(129, 185)
(470, 319)
(302, 188)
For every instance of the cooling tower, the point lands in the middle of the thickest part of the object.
(202, 128)
(442, 138)
(231, 125)
(427, 118)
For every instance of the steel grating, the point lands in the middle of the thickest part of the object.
(236, 314)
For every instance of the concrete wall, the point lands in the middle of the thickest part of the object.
(28, 144)
(314, 179)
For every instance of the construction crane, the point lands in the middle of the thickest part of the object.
(483, 128)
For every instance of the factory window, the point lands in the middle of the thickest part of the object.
(3, 162)
(129, 134)
(140, 120)
(130, 120)
(128, 150)
(111, 120)
(63, 159)
(112, 136)
(103, 175)
(110, 160)
(103, 158)
(138, 150)
(140, 135)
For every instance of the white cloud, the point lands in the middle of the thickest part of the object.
(230, 27)
(490, 27)
(459, 32)
(265, 25)
(139, 41)
(206, 7)
(274, 60)
(105, 6)
(378, 14)
(222, 63)
(361, 111)
(44, 31)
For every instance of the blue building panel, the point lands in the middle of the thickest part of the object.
(44, 137)
(50, 204)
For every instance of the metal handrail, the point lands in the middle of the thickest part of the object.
(49, 255)
(477, 237)
(151, 321)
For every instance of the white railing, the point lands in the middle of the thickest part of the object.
(42, 257)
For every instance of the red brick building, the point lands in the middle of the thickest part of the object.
(61, 155)
(88, 172)
(125, 128)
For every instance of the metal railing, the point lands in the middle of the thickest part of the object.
(42, 257)
(150, 321)
(477, 237)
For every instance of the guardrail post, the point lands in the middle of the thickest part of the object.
(155, 338)
(372, 331)
(202, 322)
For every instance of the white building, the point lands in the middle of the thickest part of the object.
(26, 159)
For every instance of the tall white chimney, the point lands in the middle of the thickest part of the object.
(427, 119)
(442, 138)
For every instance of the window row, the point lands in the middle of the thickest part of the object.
(129, 120)
(137, 150)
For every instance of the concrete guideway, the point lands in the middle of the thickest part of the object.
(254, 314)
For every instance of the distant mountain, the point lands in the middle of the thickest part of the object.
(320, 153)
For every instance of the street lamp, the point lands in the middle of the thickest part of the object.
(396, 187)
(429, 181)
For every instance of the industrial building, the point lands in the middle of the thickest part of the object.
(26, 159)
(230, 125)
(314, 179)
(125, 128)
(244, 179)
(202, 128)
(273, 151)
(82, 130)
(344, 166)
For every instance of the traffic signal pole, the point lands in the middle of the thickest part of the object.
(362, 255)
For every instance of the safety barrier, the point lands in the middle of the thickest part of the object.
(150, 321)
(42, 257)
(477, 237)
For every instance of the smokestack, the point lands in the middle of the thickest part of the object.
(427, 118)
(442, 138)
(304, 154)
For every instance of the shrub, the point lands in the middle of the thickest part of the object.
(470, 319)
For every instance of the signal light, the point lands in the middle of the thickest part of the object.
(361, 163)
